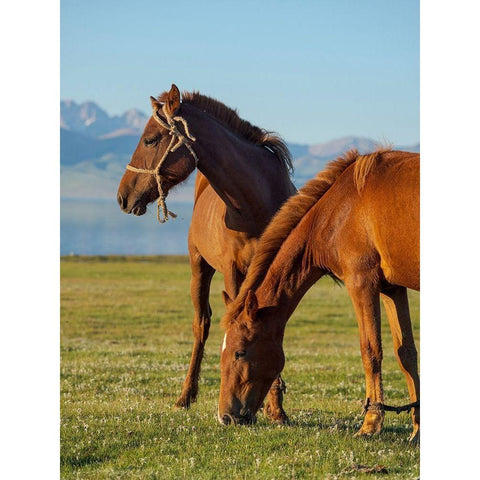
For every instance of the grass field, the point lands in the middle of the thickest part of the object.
(125, 346)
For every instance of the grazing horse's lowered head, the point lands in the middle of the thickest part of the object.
(251, 358)
(163, 157)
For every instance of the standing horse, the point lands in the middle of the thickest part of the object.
(243, 180)
(357, 221)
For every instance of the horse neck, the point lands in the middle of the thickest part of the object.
(295, 268)
(247, 177)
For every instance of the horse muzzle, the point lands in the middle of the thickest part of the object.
(138, 208)
(244, 418)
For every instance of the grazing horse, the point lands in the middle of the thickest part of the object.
(243, 179)
(357, 221)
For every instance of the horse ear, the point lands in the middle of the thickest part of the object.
(172, 103)
(156, 105)
(226, 298)
(251, 305)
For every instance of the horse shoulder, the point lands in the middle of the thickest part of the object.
(221, 246)
(340, 240)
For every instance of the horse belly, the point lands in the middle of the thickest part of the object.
(400, 265)
(396, 231)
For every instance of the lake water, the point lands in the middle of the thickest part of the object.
(99, 227)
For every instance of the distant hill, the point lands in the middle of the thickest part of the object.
(76, 147)
(95, 147)
(310, 159)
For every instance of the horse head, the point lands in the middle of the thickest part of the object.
(252, 357)
(163, 157)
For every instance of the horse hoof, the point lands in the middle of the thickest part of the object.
(183, 403)
(368, 431)
(415, 437)
(281, 420)
(372, 424)
(277, 416)
(363, 433)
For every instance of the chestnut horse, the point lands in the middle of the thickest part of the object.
(243, 180)
(357, 221)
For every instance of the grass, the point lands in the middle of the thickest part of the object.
(125, 346)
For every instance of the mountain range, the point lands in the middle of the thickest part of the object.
(95, 147)
(89, 119)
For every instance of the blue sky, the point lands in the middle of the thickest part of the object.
(310, 70)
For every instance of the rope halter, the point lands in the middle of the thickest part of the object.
(178, 139)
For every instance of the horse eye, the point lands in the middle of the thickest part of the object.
(149, 141)
(240, 353)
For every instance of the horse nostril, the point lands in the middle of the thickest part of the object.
(226, 419)
(120, 200)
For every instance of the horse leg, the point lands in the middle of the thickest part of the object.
(202, 274)
(395, 301)
(366, 301)
(273, 403)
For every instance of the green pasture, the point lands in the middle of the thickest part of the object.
(125, 346)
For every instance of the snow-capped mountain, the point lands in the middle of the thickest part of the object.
(89, 119)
